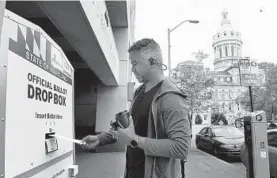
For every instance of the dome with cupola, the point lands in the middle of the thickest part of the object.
(227, 44)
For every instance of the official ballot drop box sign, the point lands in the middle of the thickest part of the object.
(36, 97)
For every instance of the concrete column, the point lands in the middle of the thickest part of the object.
(236, 50)
(2, 9)
(229, 49)
(224, 50)
(111, 100)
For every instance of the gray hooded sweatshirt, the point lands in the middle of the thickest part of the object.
(168, 136)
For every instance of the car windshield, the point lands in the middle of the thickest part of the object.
(227, 132)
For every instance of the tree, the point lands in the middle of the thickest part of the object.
(196, 84)
(218, 119)
(265, 97)
(198, 119)
(200, 55)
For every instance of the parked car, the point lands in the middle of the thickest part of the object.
(220, 140)
(272, 151)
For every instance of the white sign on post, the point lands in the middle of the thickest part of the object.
(249, 73)
(244, 65)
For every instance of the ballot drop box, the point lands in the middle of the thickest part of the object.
(36, 97)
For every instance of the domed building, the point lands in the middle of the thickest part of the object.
(227, 47)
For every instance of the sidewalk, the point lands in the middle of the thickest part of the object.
(204, 165)
(111, 165)
(101, 165)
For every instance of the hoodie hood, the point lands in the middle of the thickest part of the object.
(169, 86)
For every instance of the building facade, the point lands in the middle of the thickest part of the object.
(227, 47)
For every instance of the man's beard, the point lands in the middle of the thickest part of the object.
(140, 79)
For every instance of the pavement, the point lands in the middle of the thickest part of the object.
(100, 165)
(112, 165)
(204, 165)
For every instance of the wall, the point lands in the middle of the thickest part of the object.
(111, 100)
(2, 125)
(2, 8)
(95, 13)
(85, 102)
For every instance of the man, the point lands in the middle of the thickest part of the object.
(159, 135)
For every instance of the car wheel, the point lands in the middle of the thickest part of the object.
(215, 152)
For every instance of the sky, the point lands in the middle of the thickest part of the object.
(254, 19)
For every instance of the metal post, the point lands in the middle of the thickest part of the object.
(251, 99)
(248, 147)
(272, 113)
(169, 53)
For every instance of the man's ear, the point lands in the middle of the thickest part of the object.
(152, 61)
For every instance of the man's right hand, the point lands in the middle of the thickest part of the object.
(91, 142)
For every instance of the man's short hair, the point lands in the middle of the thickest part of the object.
(148, 49)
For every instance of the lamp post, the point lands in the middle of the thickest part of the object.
(272, 113)
(168, 36)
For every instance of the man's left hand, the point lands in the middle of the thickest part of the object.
(126, 135)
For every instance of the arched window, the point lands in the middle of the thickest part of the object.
(219, 94)
(223, 94)
(226, 51)
(230, 106)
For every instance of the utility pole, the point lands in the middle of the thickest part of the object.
(169, 44)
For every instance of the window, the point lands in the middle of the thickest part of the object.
(209, 131)
(228, 131)
(203, 131)
(228, 79)
(230, 106)
(205, 117)
(230, 94)
(272, 139)
(226, 95)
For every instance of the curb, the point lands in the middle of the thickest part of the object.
(215, 158)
